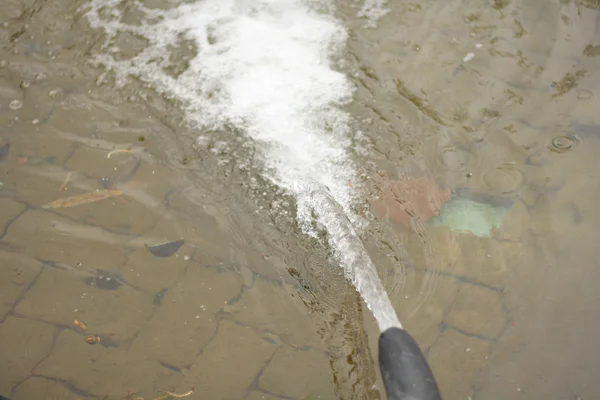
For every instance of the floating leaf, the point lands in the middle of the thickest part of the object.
(84, 198)
(165, 249)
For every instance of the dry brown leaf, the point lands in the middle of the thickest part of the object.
(83, 198)
(80, 324)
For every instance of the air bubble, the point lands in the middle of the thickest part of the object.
(15, 104)
(562, 144)
(584, 94)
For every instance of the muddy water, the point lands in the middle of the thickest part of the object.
(498, 99)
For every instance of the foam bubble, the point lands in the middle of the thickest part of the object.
(264, 67)
(373, 10)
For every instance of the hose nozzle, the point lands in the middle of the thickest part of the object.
(405, 372)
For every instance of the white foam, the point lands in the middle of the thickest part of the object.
(264, 67)
(268, 73)
(373, 10)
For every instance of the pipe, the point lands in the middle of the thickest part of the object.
(405, 372)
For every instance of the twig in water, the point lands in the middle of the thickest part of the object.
(175, 395)
(63, 186)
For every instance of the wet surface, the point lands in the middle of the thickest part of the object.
(187, 278)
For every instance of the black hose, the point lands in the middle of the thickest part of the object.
(405, 372)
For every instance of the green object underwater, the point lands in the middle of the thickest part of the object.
(461, 214)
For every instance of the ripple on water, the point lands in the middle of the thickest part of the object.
(15, 105)
(453, 158)
(562, 144)
(504, 179)
(390, 256)
(454, 161)
(584, 94)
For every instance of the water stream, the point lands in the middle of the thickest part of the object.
(267, 70)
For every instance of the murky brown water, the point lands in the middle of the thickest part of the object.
(248, 308)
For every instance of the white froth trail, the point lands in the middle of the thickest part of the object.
(373, 10)
(265, 67)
